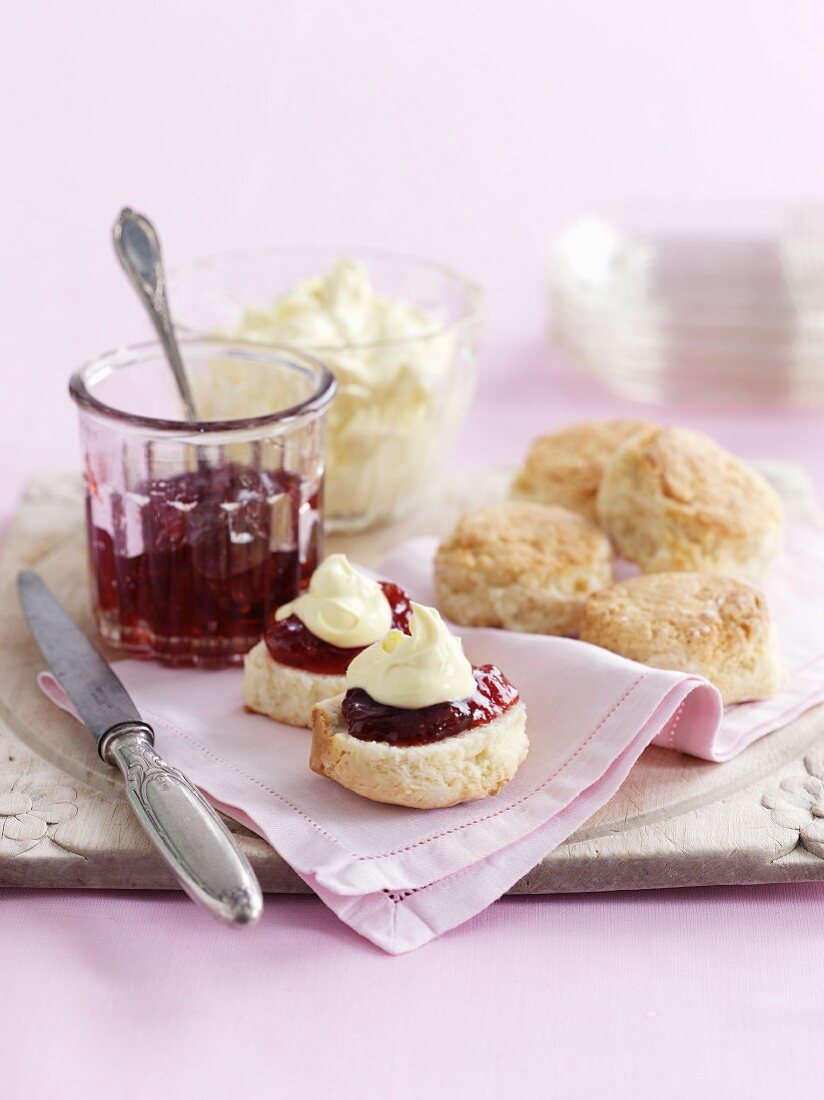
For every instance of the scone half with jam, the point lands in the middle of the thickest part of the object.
(311, 642)
(417, 725)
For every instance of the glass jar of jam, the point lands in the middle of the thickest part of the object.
(198, 530)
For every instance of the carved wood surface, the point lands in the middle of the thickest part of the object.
(676, 821)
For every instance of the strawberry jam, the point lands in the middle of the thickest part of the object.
(290, 642)
(189, 568)
(369, 720)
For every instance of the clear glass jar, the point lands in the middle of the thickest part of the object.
(401, 399)
(196, 531)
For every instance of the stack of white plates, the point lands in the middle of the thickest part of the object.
(711, 305)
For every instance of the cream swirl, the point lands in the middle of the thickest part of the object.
(341, 606)
(414, 670)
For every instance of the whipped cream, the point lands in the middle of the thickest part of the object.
(341, 606)
(425, 667)
(391, 359)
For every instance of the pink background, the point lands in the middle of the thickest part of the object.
(468, 132)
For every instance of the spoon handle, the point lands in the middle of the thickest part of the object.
(138, 249)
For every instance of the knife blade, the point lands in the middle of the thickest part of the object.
(184, 828)
(88, 680)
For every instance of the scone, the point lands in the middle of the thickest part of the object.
(309, 645)
(282, 692)
(673, 499)
(717, 627)
(462, 768)
(417, 725)
(521, 566)
(566, 467)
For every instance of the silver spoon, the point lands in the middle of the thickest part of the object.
(138, 249)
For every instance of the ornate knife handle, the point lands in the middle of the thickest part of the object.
(183, 827)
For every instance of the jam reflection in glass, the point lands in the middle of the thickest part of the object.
(291, 643)
(189, 568)
(369, 720)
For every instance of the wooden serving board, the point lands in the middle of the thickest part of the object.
(676, 821)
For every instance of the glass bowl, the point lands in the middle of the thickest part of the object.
(400, 401)
(704, 303)
(198, 530)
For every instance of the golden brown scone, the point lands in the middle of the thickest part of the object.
(717, 627)
(566, 467)
(521, 566)
(674, 499)
(281, 692)
(461, 768)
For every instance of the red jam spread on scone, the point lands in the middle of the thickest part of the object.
(291, 643)
(368, 720)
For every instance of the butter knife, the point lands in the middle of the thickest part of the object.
(180, 823)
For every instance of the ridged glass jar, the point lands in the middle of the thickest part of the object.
(197, 530)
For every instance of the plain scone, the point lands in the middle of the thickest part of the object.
(717, 627)
(460, 768)
(566, 466)
(521, 566)
(674, 499)
(281, 692)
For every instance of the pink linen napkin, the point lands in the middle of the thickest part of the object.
(400, 877)
(794, 589)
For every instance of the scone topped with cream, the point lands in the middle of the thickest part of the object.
(312, 640)
(417, 725)
(566, 467)
(674, 499)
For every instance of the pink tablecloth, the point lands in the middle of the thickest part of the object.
(703, 993)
